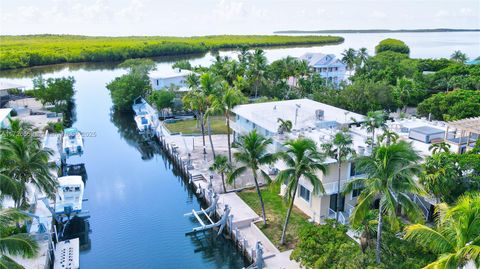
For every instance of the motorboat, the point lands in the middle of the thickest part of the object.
(72, 142)
(145, 116)
(69, 196)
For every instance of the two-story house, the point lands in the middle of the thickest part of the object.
(327, 65)
(314, 120)
(321, 122)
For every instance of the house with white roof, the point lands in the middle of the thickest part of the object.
(161, 80)
(327, 65)
(320, 122)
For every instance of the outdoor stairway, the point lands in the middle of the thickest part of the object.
(198, 177)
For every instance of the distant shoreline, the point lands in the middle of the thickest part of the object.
(369, 31)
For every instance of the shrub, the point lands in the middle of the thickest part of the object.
(391, 44)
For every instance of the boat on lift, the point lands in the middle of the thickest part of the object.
(72, 142)
(69, 196)
(145, 116)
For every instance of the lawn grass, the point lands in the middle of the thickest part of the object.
(276, 210)
(190, 126)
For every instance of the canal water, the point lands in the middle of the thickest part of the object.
(135, 198)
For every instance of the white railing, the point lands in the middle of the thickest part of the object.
(332, 187)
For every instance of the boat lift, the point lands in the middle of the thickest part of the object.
(211, 224)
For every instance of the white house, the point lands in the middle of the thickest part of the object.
(164, 79)
(327, 65)
(321, 122)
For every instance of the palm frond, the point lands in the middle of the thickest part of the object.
(429, 238)
(19, 244)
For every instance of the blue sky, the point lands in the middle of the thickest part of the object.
(199, 17)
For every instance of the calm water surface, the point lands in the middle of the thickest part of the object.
(136, 201)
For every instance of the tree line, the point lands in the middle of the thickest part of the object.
(34, 50)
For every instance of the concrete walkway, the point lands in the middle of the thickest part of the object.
(244, 218)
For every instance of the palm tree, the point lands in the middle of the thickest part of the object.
(439, 147)
(256, 69)
(210, 87)
(252, 154)
(390, 171)
(373, 121)
(456, 237)
(27, 163)
(197, 101)
(404, 91)
(388, 137)
(285, 126)
(339, 149)
(303, 161)
(192, 81)
(16, 243)
(222, 166)
(459, 56)
(349, 58)
(224, 104)
(362, 56)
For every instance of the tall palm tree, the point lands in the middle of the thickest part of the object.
(27, 163)
(224, 104)
(222, 166)
(349, 57)
(303, 161)
(459, 56)
(456, 237)
(256, 69)
(362, 56)
(16, 243)
(340, 149)
(439, 147)
(390, 171)
(209, 85)
(373, 121)
(285, 126)
(251, 155)
(196, 100)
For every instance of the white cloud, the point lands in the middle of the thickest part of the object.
(231, 10)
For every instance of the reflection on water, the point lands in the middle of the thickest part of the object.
(78, 227)
(147, 146)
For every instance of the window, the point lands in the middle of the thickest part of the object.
(304, 193)
(157, 82)
(333, 202)
(353, 170)
(356, 192)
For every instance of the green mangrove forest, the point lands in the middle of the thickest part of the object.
(34, 50)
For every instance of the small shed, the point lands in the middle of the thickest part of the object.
(426, 134)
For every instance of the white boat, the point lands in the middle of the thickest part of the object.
(144, 123)
(72, 143)
(69, 196)
(145, 116)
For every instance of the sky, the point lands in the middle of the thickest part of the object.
(202, 17)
